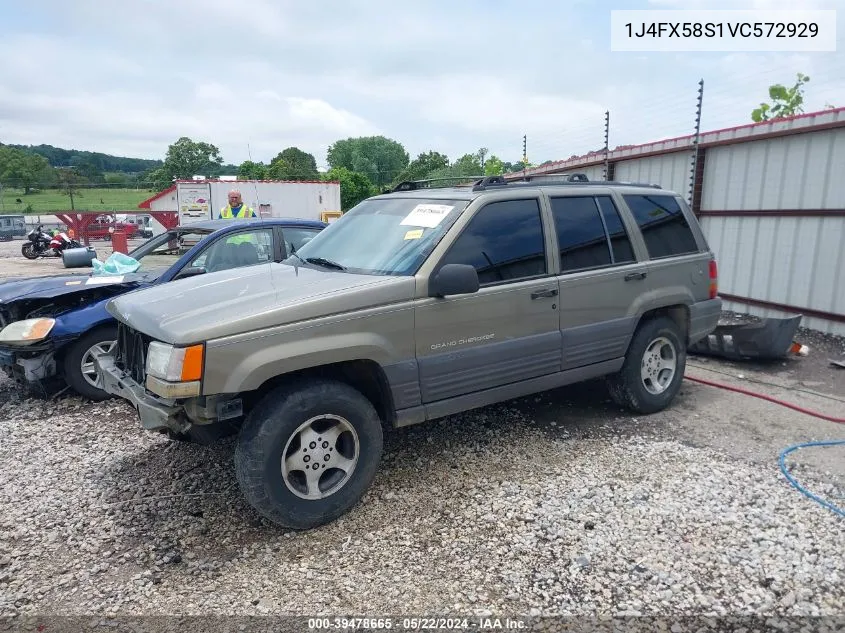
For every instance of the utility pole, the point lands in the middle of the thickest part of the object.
(606, 143)
(695, 141)
(524, 155)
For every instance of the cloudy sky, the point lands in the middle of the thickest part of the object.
(130, 77)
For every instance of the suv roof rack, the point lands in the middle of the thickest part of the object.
(411, 185)
(481, 183)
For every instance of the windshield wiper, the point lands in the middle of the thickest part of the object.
(322, 261)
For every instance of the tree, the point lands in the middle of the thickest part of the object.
(465, 167)
(293, 164)
(88, 169)
(494, 166)
(20, 168)
(422, 166)
(69, 183)
(785, 101)
(252, 171)
(117, 179)
(379, 158)
(186, 158)
(354, 187)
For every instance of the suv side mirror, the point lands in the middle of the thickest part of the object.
(190, 271)
(453, 279)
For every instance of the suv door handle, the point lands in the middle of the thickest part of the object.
(545, 292)
(632, 276)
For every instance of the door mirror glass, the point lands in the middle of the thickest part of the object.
(453, 279)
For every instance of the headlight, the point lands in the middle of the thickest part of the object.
(174, 364)
(27, 331)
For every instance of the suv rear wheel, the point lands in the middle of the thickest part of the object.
(308, 452)
(653, 370)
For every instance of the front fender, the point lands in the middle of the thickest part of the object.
(76, 323)
(246, 364)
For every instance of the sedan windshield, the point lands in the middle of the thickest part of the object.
(381, 236)
(162, 251)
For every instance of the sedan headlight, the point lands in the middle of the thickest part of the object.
(26, 331)
(174, 372)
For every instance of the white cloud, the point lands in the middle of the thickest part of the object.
(130, 78)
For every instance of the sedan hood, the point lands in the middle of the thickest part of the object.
(226, 303)
(52, 286)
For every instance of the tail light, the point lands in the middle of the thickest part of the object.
(714, 279)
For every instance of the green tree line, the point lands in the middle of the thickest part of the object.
(363, 166)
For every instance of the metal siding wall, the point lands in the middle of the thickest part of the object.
(593, 172)
(794, 172)
(790, 260)
(670, 171)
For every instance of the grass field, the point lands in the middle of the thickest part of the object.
(52, 201)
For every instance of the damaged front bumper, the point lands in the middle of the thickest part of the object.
(203, 418)
(156, 414)
(31, 364)
(766, 339)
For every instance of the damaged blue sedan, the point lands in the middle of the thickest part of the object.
(52, 328)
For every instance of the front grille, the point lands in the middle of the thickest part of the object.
(131, 353)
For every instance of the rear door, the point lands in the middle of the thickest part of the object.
(601, 280)
(506, 332)
(678, 262)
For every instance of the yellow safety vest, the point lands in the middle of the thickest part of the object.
(246, 212)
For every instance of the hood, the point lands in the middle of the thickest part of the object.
(225, 303)
(52, 286)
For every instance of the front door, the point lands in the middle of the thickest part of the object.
(509, 330)
(601, 281)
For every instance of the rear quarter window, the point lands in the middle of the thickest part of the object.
(662, 222)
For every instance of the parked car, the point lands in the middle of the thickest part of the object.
(52, 327)
(416, 305)
(103, 225)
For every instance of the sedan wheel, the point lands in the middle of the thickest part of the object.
(87, 367)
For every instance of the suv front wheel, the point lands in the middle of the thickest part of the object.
(653, 370)
(308, 452)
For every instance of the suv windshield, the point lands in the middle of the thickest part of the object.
(383, 236)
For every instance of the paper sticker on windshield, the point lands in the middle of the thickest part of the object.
(427, 215)
(94, 281)
(415, 234)
(72, 283)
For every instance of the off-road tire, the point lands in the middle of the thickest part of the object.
(72, 362)
(626, 386)
(268, 428)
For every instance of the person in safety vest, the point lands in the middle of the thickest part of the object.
(236, 208)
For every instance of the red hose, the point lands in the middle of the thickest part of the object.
(783, 403)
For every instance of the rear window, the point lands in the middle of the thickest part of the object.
(580, 233)
(663, 225)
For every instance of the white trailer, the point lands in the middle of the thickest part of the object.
(203, 200)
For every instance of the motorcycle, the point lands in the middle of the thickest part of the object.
(42, 244)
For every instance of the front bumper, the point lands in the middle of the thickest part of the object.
(28, 364)
(156, 414)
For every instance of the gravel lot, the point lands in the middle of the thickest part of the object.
(555, 504)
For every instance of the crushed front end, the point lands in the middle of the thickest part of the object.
(164, 403)
(27, 354)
